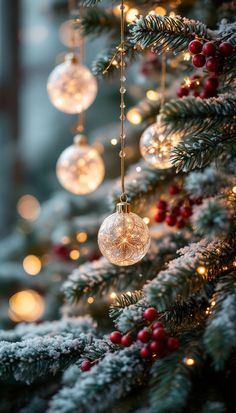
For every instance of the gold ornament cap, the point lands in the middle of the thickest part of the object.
(80, 139)
(123, 207)
(71, 57)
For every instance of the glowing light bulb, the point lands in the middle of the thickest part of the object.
(113, 295)
(187, 56)
(28, 207)
(71, 86)
(74, 254)
(131, 15)
(32, 264)
(80, 168)
(134, 116)
(189, 361)
(201, 270)
(90, 300)
(114, 141)
(152, 95)
(81, 237)
(234, 189)
(123, 237)
(26, 305)
(160, 10)
(156, 148)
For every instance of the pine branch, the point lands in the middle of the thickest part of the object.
(214, 407)
(98, 277)
(205, 183)
(97, 21)
(89, 3)
(191, 115)
(220, 333)
(148, 110)
(182, 279)
(163, 32)
(99, 388)
(35, 358)
(171, 378)
(200, 150)
(124, 300)
(144, 186)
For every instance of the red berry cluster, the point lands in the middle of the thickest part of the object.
(198, 88)
(210, 54)
(156, 339)
(178, 211)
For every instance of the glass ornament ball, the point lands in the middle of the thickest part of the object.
(80, 168)
(156, 147)
(71, 86)
(69, 34)
(123, 237)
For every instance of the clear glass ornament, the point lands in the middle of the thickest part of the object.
(69, 34)
(123, 237)
(80, 168)
(71, 86)
(156, 147)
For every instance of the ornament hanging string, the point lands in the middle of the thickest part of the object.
(81, 122)
(121, 49)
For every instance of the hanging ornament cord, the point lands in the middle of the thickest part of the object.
(81, 123)
(123, 196)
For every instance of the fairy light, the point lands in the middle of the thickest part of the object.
(113, 295)
(161, 11)
(74, 254)
(139, 169)
(213, 303)
(131, 15)
(152, 95)
(134, 116)
(146, 220)
(234, 263)
(234, 189)
(172, 14)
(32, 264)
(90, 300)
(201, 270)
(114, 141)
(187, 56)
(26, 305)
(82, 237)
(189, 361)
(129, 293)
(28, 207)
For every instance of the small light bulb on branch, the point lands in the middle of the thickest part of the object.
(134, 116)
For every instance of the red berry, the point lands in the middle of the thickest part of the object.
(195, 47)
(209, 49)
(157, 324)
(180, 223)
(144, 335)
(186, 212)
(226, 49)
(172, 343)
(160, 216)
(85, 365)
(150, 314)
(211, 84)
(198, 201)
(159, 334)
(196, 94)
(173, 189)
(182, 91)
(115, 337)
(161, 205)
(198, 60)
(175, 211)
(205, 94)
(62, 251)
(144, 353)
(156, 346)
(170, 220)
(126, 340)
(212, 64)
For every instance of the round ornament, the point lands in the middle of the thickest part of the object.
(155, 146)
(123, 237)
(80, 168)
(69, 34)
(71, 86)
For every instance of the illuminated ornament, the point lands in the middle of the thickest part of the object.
(69, 34)
(71, 86)
(156, 147)
(123, 237)
(80, 168)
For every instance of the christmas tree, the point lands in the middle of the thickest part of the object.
(144, 328)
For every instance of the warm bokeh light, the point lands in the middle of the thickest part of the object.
(161, 11)
(131, 15)
(90, 300)
(82, 237)
(172, 14)
(138, 169)
(146, 220)
(189, 361)
(113, 295)
(202, 270)
(74, 254)
(134, 116)
(114, 141)
(32, 264)
(152, 95)
(28, 207)
(26, 305)
(187, 56)
(234, 189)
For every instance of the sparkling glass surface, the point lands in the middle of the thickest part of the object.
(123, 238)
(80, 169)
(71, 87)
(156, 148)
